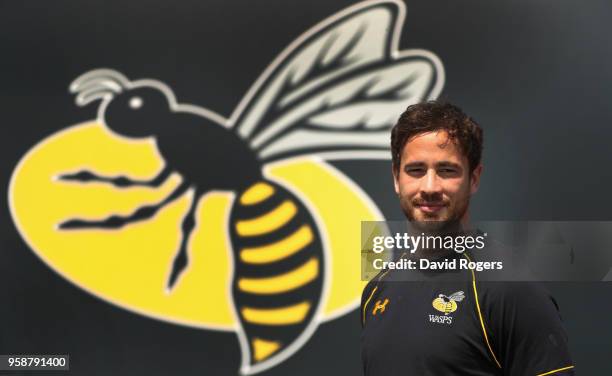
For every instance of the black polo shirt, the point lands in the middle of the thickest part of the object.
(461, 327)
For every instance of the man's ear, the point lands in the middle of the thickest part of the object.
(395, 174)
(475, 179)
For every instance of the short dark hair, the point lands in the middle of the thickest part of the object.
(433, 116)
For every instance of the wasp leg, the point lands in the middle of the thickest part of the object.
(117, 221)
(85, 176)
(181, 258)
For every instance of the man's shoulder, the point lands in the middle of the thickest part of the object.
(372, 284)
(511, 260)
(519, 295)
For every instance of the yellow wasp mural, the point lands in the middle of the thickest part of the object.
(237, 224)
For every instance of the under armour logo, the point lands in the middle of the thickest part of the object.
(380, 306)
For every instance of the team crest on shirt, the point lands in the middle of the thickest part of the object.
(447, 305)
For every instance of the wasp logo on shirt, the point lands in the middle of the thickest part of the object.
(446, 305)
(235, 224)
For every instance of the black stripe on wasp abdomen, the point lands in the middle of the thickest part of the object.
(278, 273)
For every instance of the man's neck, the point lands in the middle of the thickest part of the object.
(431, 246)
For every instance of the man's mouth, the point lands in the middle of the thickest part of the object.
(431, 207)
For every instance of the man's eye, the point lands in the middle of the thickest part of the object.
(415, 171)
(447, 171)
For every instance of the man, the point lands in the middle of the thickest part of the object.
(458, 327)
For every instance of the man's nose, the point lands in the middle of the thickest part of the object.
(430, 183)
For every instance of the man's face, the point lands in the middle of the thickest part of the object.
(433, 180)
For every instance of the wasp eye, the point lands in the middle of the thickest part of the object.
(136, 103)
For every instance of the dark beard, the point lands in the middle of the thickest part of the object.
(433, 227)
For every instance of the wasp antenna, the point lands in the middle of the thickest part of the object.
(97, 75)
(95, 92)
(98, 84)
(98, 95)
(105, 83)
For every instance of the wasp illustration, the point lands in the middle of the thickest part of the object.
(334, 93)
(448, 304)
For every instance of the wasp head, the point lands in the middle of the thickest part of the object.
(128, 108)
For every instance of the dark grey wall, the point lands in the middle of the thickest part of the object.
(537, 74)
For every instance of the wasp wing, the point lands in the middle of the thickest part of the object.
(458, 296)
(354, 113)
(345, 41)
(317, 81)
